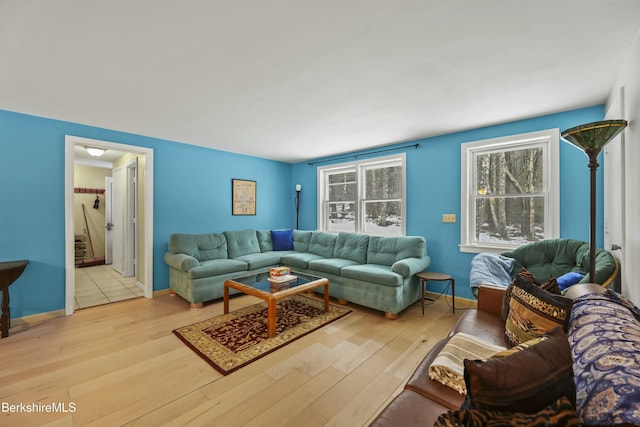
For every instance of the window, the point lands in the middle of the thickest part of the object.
(510, 191)
(363, 197)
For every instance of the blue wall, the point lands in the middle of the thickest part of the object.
(433, 189)
(192, 193)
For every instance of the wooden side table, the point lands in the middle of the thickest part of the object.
(426, 276)
(9, 272)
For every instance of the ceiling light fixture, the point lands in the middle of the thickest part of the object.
(95, 152)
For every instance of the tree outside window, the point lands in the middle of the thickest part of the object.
(510, 191)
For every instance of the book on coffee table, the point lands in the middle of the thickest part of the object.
(282, 279)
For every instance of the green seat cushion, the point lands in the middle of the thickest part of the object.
(264, 240)
(554, 257)
(202, 247)
(352, 246)
(301, 240)
(242, 242)
(330, 265)
(374, 273)
(217, 267)
(387, 250)
(323, 244)
(255, 261)
(299, 260)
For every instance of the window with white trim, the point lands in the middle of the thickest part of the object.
(366, 196)
(510, 191)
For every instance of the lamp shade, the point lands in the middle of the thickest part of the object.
(592, 137)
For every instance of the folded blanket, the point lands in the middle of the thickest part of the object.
(490, 268)
(448, 366)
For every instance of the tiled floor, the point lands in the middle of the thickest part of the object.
(101, 284)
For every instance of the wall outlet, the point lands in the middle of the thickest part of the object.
(448, 217)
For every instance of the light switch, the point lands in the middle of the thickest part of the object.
(448, 217)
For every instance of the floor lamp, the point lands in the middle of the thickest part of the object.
(591, 138)
(298, 189)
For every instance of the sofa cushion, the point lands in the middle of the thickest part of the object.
(549, 258)
(242, 242)
(447, 368)
(373, 273)
(433, 390)
(559, 413)
(217, 267)
(299, 260)
(282, 240)
(330, 265)
(352, 246)
(550, 285)
(301, 239)
(260, 260)
(202, 247)
(525, 379)
(534, 311)
(323, 243)
(264, 240)
(387, 250)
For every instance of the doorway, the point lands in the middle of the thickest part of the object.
(141, 227)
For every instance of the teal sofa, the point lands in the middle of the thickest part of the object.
(376, 272)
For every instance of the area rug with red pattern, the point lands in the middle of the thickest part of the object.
(231, 341)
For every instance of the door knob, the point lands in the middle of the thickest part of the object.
(615, 247)
(109, 226)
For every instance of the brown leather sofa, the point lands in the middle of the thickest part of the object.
(423, 399)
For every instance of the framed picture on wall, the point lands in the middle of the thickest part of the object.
(243, 197)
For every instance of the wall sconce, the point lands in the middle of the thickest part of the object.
(298, 189)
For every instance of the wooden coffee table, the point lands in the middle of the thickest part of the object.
(258, 286)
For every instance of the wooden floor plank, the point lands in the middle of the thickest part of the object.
(120, 364)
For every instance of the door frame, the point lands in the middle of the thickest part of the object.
(70, 142)
(130, 218)
(108, 218)
(614, 173)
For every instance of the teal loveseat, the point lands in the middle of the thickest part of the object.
(376, 272)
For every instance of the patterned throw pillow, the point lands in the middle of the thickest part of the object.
(560, 413)
(534, 311)
(550, 285)
(525, 379)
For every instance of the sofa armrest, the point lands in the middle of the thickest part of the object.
(182, 262)
(409, 266)
(490, 299)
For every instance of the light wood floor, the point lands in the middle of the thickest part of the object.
(120, 364)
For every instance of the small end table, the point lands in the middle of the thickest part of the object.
(9, 272)
(426, 276)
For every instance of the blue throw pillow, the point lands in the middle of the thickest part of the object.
(569, 279)
(282, 240)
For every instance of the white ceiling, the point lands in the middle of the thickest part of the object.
(293, 80)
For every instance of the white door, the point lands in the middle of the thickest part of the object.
(130, 218)
(117, 217)
(614, 187)
(108, 221)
